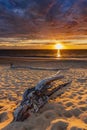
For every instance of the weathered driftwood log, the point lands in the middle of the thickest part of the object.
(45, 83)
(35, 98)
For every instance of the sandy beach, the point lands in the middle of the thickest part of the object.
(65, 112)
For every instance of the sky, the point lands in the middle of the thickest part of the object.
(16, 43)
(41, 24)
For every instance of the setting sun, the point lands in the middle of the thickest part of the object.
(58, 46)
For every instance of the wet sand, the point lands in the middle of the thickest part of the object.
(65, 112)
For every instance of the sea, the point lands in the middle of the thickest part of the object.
(44, 54)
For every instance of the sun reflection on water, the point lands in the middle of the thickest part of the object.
(58, 53)
(58, 47)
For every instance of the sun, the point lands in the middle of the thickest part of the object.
(59, 46)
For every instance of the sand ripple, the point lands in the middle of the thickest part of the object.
(65, 112)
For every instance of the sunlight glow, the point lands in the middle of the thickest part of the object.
(59, 46)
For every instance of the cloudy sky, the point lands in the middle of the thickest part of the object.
(43, 23)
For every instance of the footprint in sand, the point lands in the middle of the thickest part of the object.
(68, 104)
(59, 125)
(68, 113)
(81, 80)
(83, 108)
(3, 117)
(83, 117)
(76, 128)
(76, 112)
(1, 107)
(50, 114)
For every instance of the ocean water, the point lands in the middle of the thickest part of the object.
(73, 53)
(44, 53)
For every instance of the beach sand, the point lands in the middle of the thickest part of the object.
(65, 112)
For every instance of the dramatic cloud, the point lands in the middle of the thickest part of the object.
(43, 19)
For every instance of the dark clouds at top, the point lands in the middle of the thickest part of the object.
(42, 18)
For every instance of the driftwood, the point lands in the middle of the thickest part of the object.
(35, 98)
(13, 66)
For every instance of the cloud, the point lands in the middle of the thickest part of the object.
(19, 12)
(40, 19)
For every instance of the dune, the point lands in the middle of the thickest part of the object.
(65, 110)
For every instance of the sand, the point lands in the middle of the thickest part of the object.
(65, 112)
